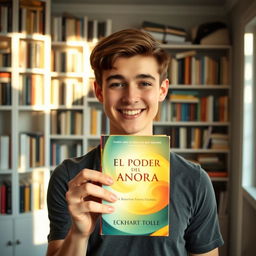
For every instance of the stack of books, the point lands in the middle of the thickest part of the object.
(164, 33)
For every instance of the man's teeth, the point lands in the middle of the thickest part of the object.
(131, 112)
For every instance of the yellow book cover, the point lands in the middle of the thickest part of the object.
(140, 167)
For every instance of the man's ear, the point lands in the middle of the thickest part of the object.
(98, 92)
(163, 90)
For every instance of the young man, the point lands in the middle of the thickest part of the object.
(130, 70)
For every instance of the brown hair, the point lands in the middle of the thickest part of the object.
(127, 43)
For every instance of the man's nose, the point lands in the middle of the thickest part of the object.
(131, 94)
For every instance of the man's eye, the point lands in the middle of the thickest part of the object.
(112, 85)
(144, 83)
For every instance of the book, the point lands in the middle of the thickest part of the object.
(162, 28)
(166, 38)
(4, 152)
(140, 167)
(181, 55)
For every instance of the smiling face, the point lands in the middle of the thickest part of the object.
(130, 94)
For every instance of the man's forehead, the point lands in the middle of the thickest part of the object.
(136, 67)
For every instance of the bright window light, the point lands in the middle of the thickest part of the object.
(248, 131)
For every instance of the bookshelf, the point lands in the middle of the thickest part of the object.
(24, 77)
(196, 114)
(75, 116)
(45, 108)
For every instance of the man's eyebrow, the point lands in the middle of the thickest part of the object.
(140, 76)
(118, 77)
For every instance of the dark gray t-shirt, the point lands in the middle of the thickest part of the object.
(193, 216)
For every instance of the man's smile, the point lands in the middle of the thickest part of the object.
(130, 112)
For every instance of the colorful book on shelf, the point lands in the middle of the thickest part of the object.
(140, 167)
(6, 16)
(208, 158)
(2, 198)
(25, 196)
(217, 174)
(31, 150)
(4, 152)
(184, 96)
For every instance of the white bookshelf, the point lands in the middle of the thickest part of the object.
(18, 118)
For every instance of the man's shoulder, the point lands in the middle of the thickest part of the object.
(186, 169)
(182, 164)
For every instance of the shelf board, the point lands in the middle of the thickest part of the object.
(32, 108)
(199, 87)
(69, 43)
(5, 107)
(195, 46)
(92, 100)
(66, 137)
(9, 34)
(68, 74)
(72, 107)
(39, 71)
(5, 216)
(190, 123)
(38, 37)
(200, 150)
(6, 69)
(93, 137)
(32, 169)
(8, 171)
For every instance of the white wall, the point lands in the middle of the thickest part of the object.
(125, 16)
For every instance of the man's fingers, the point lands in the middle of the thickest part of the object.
(78, 193)
(91, 206)
(86, 175)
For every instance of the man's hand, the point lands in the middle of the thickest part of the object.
(84, 198)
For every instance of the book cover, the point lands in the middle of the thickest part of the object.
(140, 167)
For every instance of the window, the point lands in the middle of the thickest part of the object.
(249, 132)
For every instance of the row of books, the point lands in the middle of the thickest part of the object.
(198, 108)
(31, 150)
(71, 28)
(31, 54)
(199, 70)
(5, 54)
(61, 151)
(31, 195)
(212, 163)
(67, 60)
(67, 91)
(5, 17)
(5, 152)
(32, 17)
(31, 89)
(165, 33)
(5, 197)
(67, 122)
(5, 88)
(196, 138)
(99, 123)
